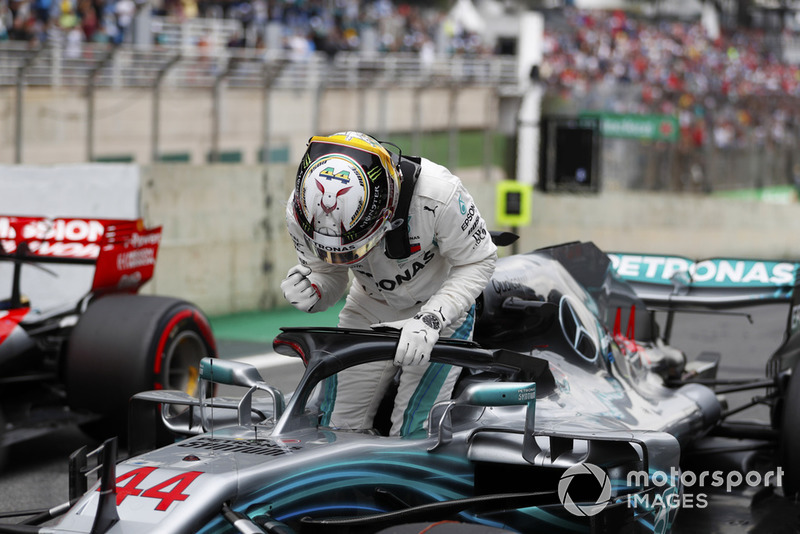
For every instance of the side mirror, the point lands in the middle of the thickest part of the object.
(490, 394)
(229, 372)
(499, 394)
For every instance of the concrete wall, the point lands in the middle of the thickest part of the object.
(225, 246)
(55, 120)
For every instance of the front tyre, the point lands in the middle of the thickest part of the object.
(125, 344)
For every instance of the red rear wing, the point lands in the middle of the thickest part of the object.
(122, 250)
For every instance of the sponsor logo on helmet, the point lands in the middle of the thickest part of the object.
(332, 248)
(374, 173)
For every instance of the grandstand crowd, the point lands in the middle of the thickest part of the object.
(325, 25)
(733, 90)
(729, 91)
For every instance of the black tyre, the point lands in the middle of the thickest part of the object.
(790, 435)
(124, 344)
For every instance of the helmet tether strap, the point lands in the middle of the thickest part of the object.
(396, 242)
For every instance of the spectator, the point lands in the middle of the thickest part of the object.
(90, 23)
(124, 11)
(6, 20)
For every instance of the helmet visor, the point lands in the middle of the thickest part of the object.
(330, 249)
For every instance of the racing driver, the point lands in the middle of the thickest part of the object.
(420, 254)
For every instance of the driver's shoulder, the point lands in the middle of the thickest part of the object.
(436, 183)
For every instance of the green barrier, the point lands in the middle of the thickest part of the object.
(225, 156)
(175, 157)
(276, 155)
(114, 158)
(263, 326)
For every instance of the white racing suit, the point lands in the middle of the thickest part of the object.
(452, 259)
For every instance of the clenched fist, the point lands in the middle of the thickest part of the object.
(298, 289)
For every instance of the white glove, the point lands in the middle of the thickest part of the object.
(299, 290)
(418, 335)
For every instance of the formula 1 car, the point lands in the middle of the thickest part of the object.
(675, 284)
(76, 340)
(562, 420)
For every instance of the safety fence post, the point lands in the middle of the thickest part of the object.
(452, 126)
(216, 108)
(18, 116)
(90, 99)
(270, 72)
(156, 119)
(490, 132)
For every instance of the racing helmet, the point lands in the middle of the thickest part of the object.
(345, 195)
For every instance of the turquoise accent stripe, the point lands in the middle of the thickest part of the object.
(428, 388)
(437, 477)
(328, 400)
(424, 395)
(465, 330)
(423, 398)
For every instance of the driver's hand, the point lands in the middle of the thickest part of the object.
(299, 290)
(418, 335)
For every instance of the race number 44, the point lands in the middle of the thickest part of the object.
(166, 492)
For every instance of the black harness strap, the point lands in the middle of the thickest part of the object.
(396, 243)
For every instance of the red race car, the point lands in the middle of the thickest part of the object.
(76, 340)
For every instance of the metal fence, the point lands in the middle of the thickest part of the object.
(129, 66)
(660, 166)
(625, 163)
(93, 67)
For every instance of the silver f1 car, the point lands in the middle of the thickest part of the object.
(557, 405)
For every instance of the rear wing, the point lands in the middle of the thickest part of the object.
(123, 251)
(676, 283)
(715, 283)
